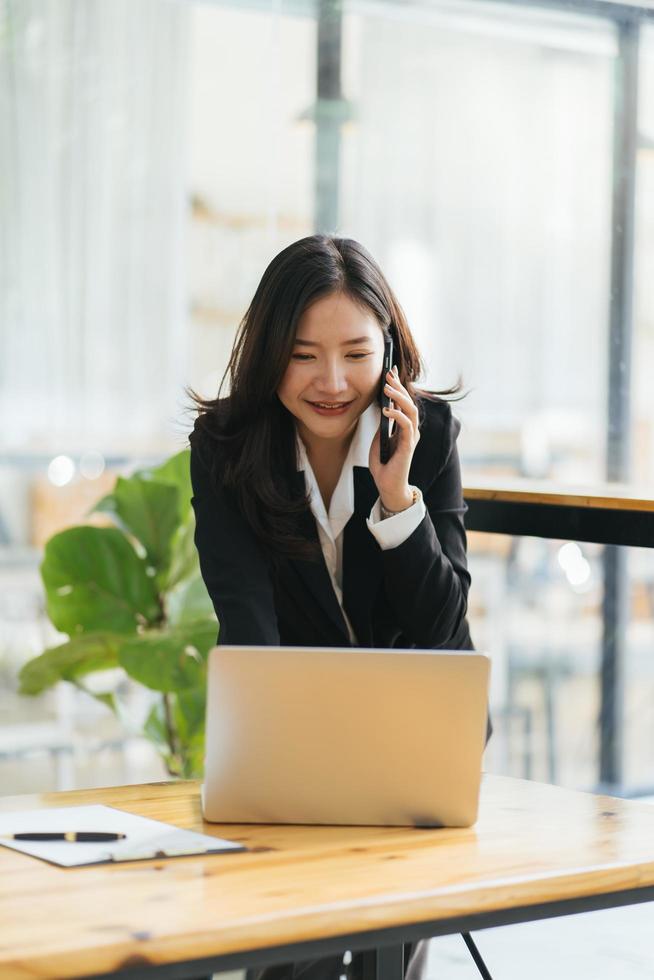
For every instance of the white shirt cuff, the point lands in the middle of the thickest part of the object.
(394, 530)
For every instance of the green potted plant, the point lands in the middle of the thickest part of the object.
(131, 596)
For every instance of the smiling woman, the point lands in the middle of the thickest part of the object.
(305, 537)
(327, 389)
(247, 442)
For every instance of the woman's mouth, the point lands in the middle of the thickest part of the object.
(330, 408)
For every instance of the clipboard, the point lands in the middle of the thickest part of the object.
(145, 839)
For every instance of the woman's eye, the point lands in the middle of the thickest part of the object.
(308, 357)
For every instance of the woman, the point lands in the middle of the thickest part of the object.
(304, 536)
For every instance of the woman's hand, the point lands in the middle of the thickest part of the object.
(392, 478)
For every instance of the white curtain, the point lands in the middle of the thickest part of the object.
(92, 217)
(480, 176)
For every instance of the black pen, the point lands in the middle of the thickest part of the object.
(70, 835)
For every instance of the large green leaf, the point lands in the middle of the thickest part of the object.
(94, 580)
(184, 562)
(176, 471)
(106, 505)
(84, 654)
(189, 713)
(170, 659)
(150, 512)
(144, 504)
(155, 726)
(189, 716)
(190, 602)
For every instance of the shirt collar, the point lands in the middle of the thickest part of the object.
(341, 507)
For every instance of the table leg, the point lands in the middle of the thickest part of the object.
(476, 955)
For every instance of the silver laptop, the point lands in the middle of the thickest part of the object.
(319, 735)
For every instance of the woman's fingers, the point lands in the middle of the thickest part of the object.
(400, 395)
(393, 382)
(403, 421)
(403, 398)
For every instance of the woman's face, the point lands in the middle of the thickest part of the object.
(335, 367)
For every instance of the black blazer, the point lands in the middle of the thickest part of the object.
(414, 595)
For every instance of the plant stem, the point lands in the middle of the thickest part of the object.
(173, 741)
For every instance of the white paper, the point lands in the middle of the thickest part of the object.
(145, 838)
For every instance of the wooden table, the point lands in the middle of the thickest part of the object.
(301, 892)
(609, 513)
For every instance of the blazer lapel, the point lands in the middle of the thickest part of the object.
(362, 564)
(314, 574)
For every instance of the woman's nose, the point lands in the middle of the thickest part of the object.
(332, 379)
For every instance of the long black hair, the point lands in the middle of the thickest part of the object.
(247, 439)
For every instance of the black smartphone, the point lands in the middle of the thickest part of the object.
(385, 451)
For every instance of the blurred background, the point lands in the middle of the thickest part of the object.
(498, 162)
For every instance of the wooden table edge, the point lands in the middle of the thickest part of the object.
(559, 496)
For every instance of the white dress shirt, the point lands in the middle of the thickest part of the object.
(389, 533)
